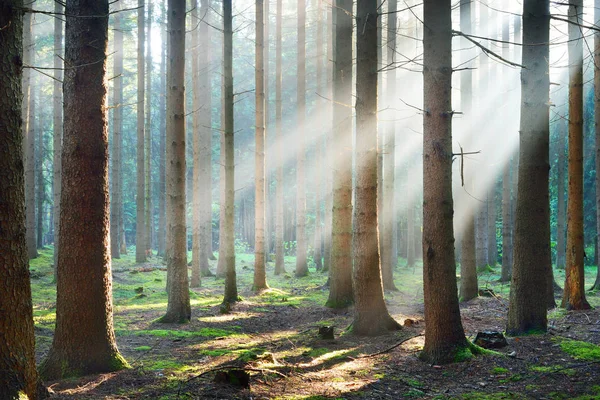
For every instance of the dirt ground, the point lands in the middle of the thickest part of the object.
(274, 337)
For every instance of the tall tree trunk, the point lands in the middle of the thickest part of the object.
(279, 254)
(162, 223)
(39, 172)
(84, 339)
(17, 349)
(197, 189)
(57, 124)
(371, 316)
(561, 217)
(116, 204)
(340, 271)
(140, 227)
(574, 293)
(388, 261)
(596, 285)
(468, 267)
(318, 236)
(301, 241)
(28, 130)
(260, 277)
(491, 225)
(148, 137)
(527, 306)
(178, 306)
(227, 235)
(328, 168)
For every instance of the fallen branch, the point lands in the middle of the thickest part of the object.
(388, 349)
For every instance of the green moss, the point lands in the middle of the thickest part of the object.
(499, 371)
(169, 333)
(214, 353)
(553, 368)
(414, 393)
(318, 352)
(581, 350)
(143, 348)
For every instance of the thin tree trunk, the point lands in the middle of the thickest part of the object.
(148, 137)
(162, 223)
(140, 230)
(328, 145)
(28, 113)
(574, 293)
(491, 226)
(527, 304)
(340, 271)
(178, 306)
(301, 241)
(116, 204)
(231, 294)
(197, 189)
(561, 217)
(260, 277)
(279, 223)
(39, 169)
(57, 123)
(371, 316)
(318, 235)
(17, 348)
(596, 285)
(84, 339)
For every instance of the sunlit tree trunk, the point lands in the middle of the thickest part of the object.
(227, 234)
(140, 230)
(197, 189)
(327, 167)
(116, 203)
(279, 259)
(84, 340)
(561, 217)
(444, 337)
(340, 271)
(596, 285)
(162, 223)
(260, 277)
(178, 306)
(371, 316)
(39, 162)
(301, 242)
(148, 137)
(527, 304)
(318, 237)
(17, 347)
(468, 268)
(388, 260)
(507, 226)
(574, 293)
(57, 123)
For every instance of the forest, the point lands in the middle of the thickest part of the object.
(299, 200)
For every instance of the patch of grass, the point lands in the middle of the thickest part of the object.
(215, 352)
(499, 371)
(414, 393)
(553, 368)
(581, 350)
(169, 333)
(143, 348)
(318, 352)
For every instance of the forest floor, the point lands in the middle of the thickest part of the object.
(274, 336)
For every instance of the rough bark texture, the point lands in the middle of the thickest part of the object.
(116, 203)
(17, 347)
(468, 267)
(148, 138)
(260, 277)
(162, 223)
(178, 306)
(301, 241)
(227, 234)
(574, 293)
(444, 337)
(340, 271)
(596, 285)
(561, 217)
(57, 124)
(84, 340)
(388, 260)
(371, 316)
(527, 305)
(140, 226)
(279, 255)
(197, 189)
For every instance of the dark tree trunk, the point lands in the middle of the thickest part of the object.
(84, 340)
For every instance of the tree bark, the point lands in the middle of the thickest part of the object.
(148, 138)
(371, 316)
(301, 241)
(17, 347)
(178, 306)
(340, 271)
(574, 293)
(140, 228)
(162, 223)
(561, 217)
(318, 236)
(527, 304)
(444, 337)
(260, 277)
(197, 189)
(279, 251)
(84, 340)
(596, 285)
(57, 125)
(328, 146)
(39, 171)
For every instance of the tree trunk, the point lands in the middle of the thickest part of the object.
(527, 304)
(178, 306)
(444, 338)
(17, 349)
(28, 130)
(388, 261)
(197, 189)
(57, 125)
(140, 227)
(260, 277)
(116, 204)
(340, 271)
(301, 241)
(561, 217)
(371, 316)
(84, 340)
(328, 168)
(596, 285)
(574, 293)
(148, 138)
(227, 234)
(318, 236)
(491, 225)
(468, 268)
(162, 223)
(279, 251)
(39, 171)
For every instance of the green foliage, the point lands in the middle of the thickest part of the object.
(581, 350)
